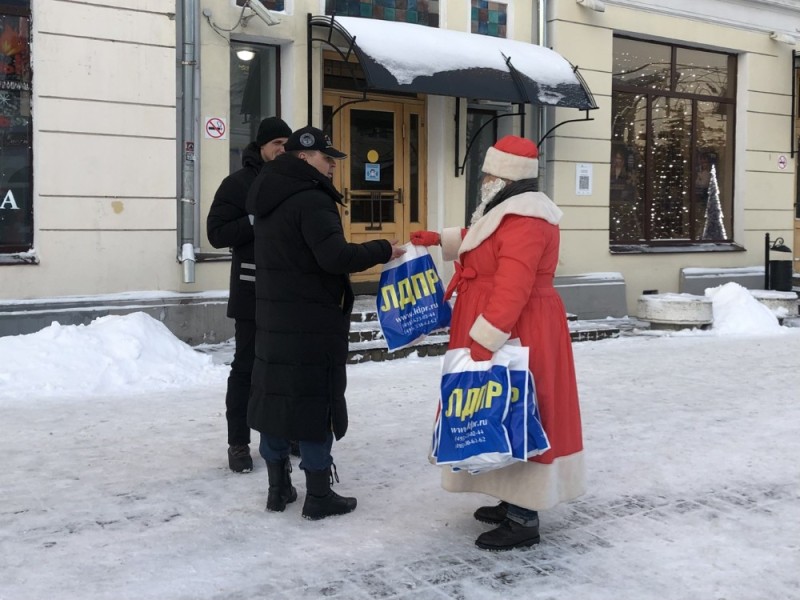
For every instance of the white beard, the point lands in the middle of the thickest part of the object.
(488, 191)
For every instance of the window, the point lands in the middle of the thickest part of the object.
(485, 125)
(420, 12)
(489, 18)
(796, 138)
(672, 145)
(16, 199)
(253, 94)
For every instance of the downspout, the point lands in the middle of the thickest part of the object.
(544, 122)
(188, 100)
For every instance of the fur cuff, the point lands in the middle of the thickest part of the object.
(487, 335)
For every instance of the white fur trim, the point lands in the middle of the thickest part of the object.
(529, 204)
(531, 485)
(450, 242)
(487, 335)
(509, 166)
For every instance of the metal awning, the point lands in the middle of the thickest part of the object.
(403, 57)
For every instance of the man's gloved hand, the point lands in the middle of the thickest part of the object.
(479, 353)
(425, 238)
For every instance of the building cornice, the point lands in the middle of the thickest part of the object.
(752, 15)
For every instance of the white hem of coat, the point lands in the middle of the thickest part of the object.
(531, 485)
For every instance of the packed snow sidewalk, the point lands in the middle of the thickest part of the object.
(692, 451)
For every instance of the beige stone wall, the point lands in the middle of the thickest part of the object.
(763, 193)
(104, 149)
(105, 135)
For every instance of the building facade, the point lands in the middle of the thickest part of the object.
(119, 119)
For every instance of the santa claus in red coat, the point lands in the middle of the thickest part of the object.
(503, 284)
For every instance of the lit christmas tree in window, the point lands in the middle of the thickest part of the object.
(714, 228)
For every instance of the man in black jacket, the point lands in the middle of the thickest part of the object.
(229, 226)
(303, 305)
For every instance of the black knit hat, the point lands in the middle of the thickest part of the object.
(270, 129)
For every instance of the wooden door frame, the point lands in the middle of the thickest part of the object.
(404, 109)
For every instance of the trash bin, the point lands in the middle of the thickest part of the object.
(780, 267)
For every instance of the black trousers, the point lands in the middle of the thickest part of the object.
(239, 382)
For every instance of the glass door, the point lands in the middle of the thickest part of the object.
(373, 173)
(382, 178)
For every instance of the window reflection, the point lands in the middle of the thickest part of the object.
(701, 72)
(671, 160)
(641, 64)
(253, 94)
(479, 122)
(16, 201)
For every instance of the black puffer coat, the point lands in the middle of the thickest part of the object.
(228, 226)
(303, 301)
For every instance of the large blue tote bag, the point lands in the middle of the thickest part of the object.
(410, 298)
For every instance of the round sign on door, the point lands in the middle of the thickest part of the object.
(216, 128)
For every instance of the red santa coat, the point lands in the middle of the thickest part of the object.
(505, 290)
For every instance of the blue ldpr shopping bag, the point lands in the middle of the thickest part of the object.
(523, 423)
(469, 432)
(411, 298)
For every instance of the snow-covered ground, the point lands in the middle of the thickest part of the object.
(115, 483)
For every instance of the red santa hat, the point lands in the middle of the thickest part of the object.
(512, 158)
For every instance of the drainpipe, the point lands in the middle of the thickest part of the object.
(544, 122)
(188, 101)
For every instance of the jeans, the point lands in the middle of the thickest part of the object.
(314, 456)
(239, 382)
(523, 516)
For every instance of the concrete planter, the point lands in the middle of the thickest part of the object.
(782, 304)
(675, 310)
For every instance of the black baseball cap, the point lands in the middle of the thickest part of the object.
(311, 138)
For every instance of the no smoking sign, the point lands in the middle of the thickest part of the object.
(216, 128)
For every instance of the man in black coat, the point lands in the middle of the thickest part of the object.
(303, 305)
(229, 226)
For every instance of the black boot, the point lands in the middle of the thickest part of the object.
(239, 460)
(321, 500)
(509, 535)
(494, 515)
(281, 491)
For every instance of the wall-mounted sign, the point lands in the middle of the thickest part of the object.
(216, 128)
(372, 172)
(583, 179)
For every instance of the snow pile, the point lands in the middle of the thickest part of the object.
(117, 355)
(113, 354)
(736, 311)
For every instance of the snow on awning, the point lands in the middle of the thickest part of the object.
(404, 57)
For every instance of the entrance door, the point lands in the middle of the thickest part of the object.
(382, 178)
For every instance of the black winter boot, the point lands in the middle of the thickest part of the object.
(494, 515)
(321, 500)
(281, 491)
(239, 459)
(509, 535)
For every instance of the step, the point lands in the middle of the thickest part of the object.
(367, 342)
